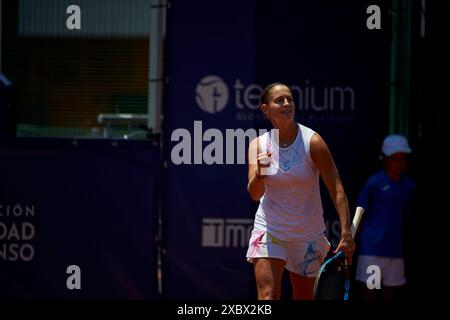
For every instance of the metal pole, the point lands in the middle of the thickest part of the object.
(423, 5)
(394, 80)
(400, 78)
(156, 76)
(405, 62)
(155, 94)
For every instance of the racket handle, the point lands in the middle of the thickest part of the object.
(356, 220)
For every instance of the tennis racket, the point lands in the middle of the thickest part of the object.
(333, 278)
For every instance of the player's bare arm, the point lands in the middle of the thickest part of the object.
(255, 184)
(321, 155)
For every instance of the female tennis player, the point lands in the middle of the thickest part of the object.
(283, 175)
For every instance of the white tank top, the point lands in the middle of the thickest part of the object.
(291, 207)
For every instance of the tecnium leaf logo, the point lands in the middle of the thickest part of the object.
(211, 94)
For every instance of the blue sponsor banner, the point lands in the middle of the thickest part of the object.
(221, 55)
(338, 71)
(208, 214)
(78, 219)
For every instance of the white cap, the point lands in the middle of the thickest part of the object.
(395, 143)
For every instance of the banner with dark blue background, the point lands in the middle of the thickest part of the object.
(78, 219)
(221, 55)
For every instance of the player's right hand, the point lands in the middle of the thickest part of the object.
(263, 160)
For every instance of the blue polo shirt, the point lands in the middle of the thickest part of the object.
(386, 203)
